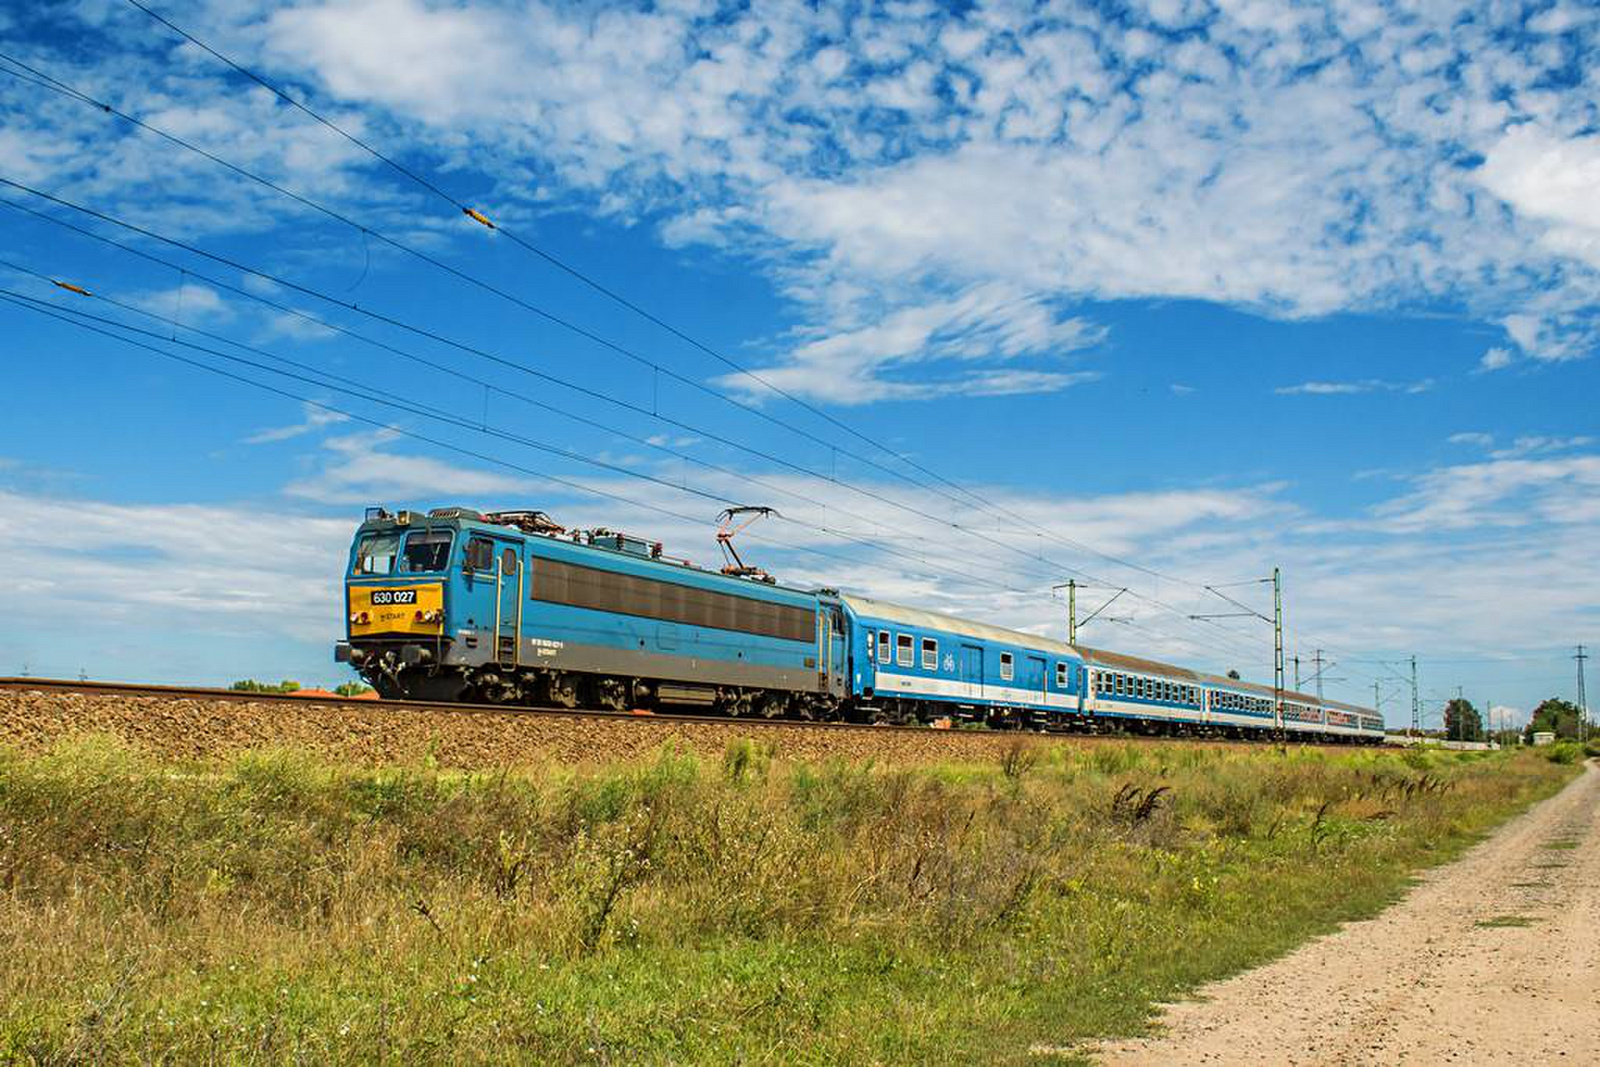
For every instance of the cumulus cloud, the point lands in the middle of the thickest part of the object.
(1293, 162)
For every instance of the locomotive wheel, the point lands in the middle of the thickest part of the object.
(611, 694)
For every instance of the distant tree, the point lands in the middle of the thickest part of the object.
(1462, 721)
(1556, 716)
(352, 689)
(250, 685)
(1234, 675)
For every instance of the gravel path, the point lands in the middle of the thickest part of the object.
(1449, 975)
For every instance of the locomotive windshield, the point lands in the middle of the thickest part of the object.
(375, 554)
(426, 550)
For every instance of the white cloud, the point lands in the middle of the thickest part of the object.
(364, 471)
(1539, 445)
(315, 418)
(1496, 358)
(1505, 492)
(1368, 385)
(1294, 162)
(178, 566)
(190, 303)
(1478, 440)
(866, 362)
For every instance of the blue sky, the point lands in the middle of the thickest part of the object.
(1165, 295)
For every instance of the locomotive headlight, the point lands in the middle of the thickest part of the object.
(359, 618)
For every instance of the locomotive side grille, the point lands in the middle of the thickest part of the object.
(577, 586)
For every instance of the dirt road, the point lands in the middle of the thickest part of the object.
(1492, 959)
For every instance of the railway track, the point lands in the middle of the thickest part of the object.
(836, 729)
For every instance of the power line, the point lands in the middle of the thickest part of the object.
(73, 317)
(512, 364)
(560, 321)
(596, 285)
(44, 80)
(474, 350)
(580, 275)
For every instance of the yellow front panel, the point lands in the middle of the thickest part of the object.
(383, 609)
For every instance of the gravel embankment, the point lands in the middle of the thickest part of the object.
(374, 734)
(1492, 959)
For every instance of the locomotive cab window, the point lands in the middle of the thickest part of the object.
(479, 555)
(883, 646)
(426, 551)
(375, 554)
(930, 654)
(902, 649)
(1006, 666)
(508, 561)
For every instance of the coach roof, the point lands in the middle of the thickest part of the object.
(1120, 662)
(933, 620)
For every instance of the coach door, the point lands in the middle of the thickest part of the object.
(1033, 678)
(972, 670)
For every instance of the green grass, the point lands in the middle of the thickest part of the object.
(1506, 920)
(681, 910)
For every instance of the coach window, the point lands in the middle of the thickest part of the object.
(376, 553)
(1120, 686)
(930, 654)
(902, 649)
(1061, 675)
(883, 646)
(1006, 670)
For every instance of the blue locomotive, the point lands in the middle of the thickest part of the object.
(511, 608)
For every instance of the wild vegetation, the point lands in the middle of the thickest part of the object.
(681, 909)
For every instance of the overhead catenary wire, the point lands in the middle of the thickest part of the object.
(435, 336)
(598, 286)
(98, 324)
(57, 85)
(465, 276)
(108, 328)
(44, 80)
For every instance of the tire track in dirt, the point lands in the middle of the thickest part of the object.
(1494, 958)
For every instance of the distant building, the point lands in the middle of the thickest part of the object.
(1544, 737)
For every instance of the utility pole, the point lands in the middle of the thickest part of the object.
(1461, 715)
(1318, 676)
(1071, 586)
(1416, 705)
(1277, 651)
(1297, 672)
(1377, 701)
(1583, 700)
(1277, 633)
